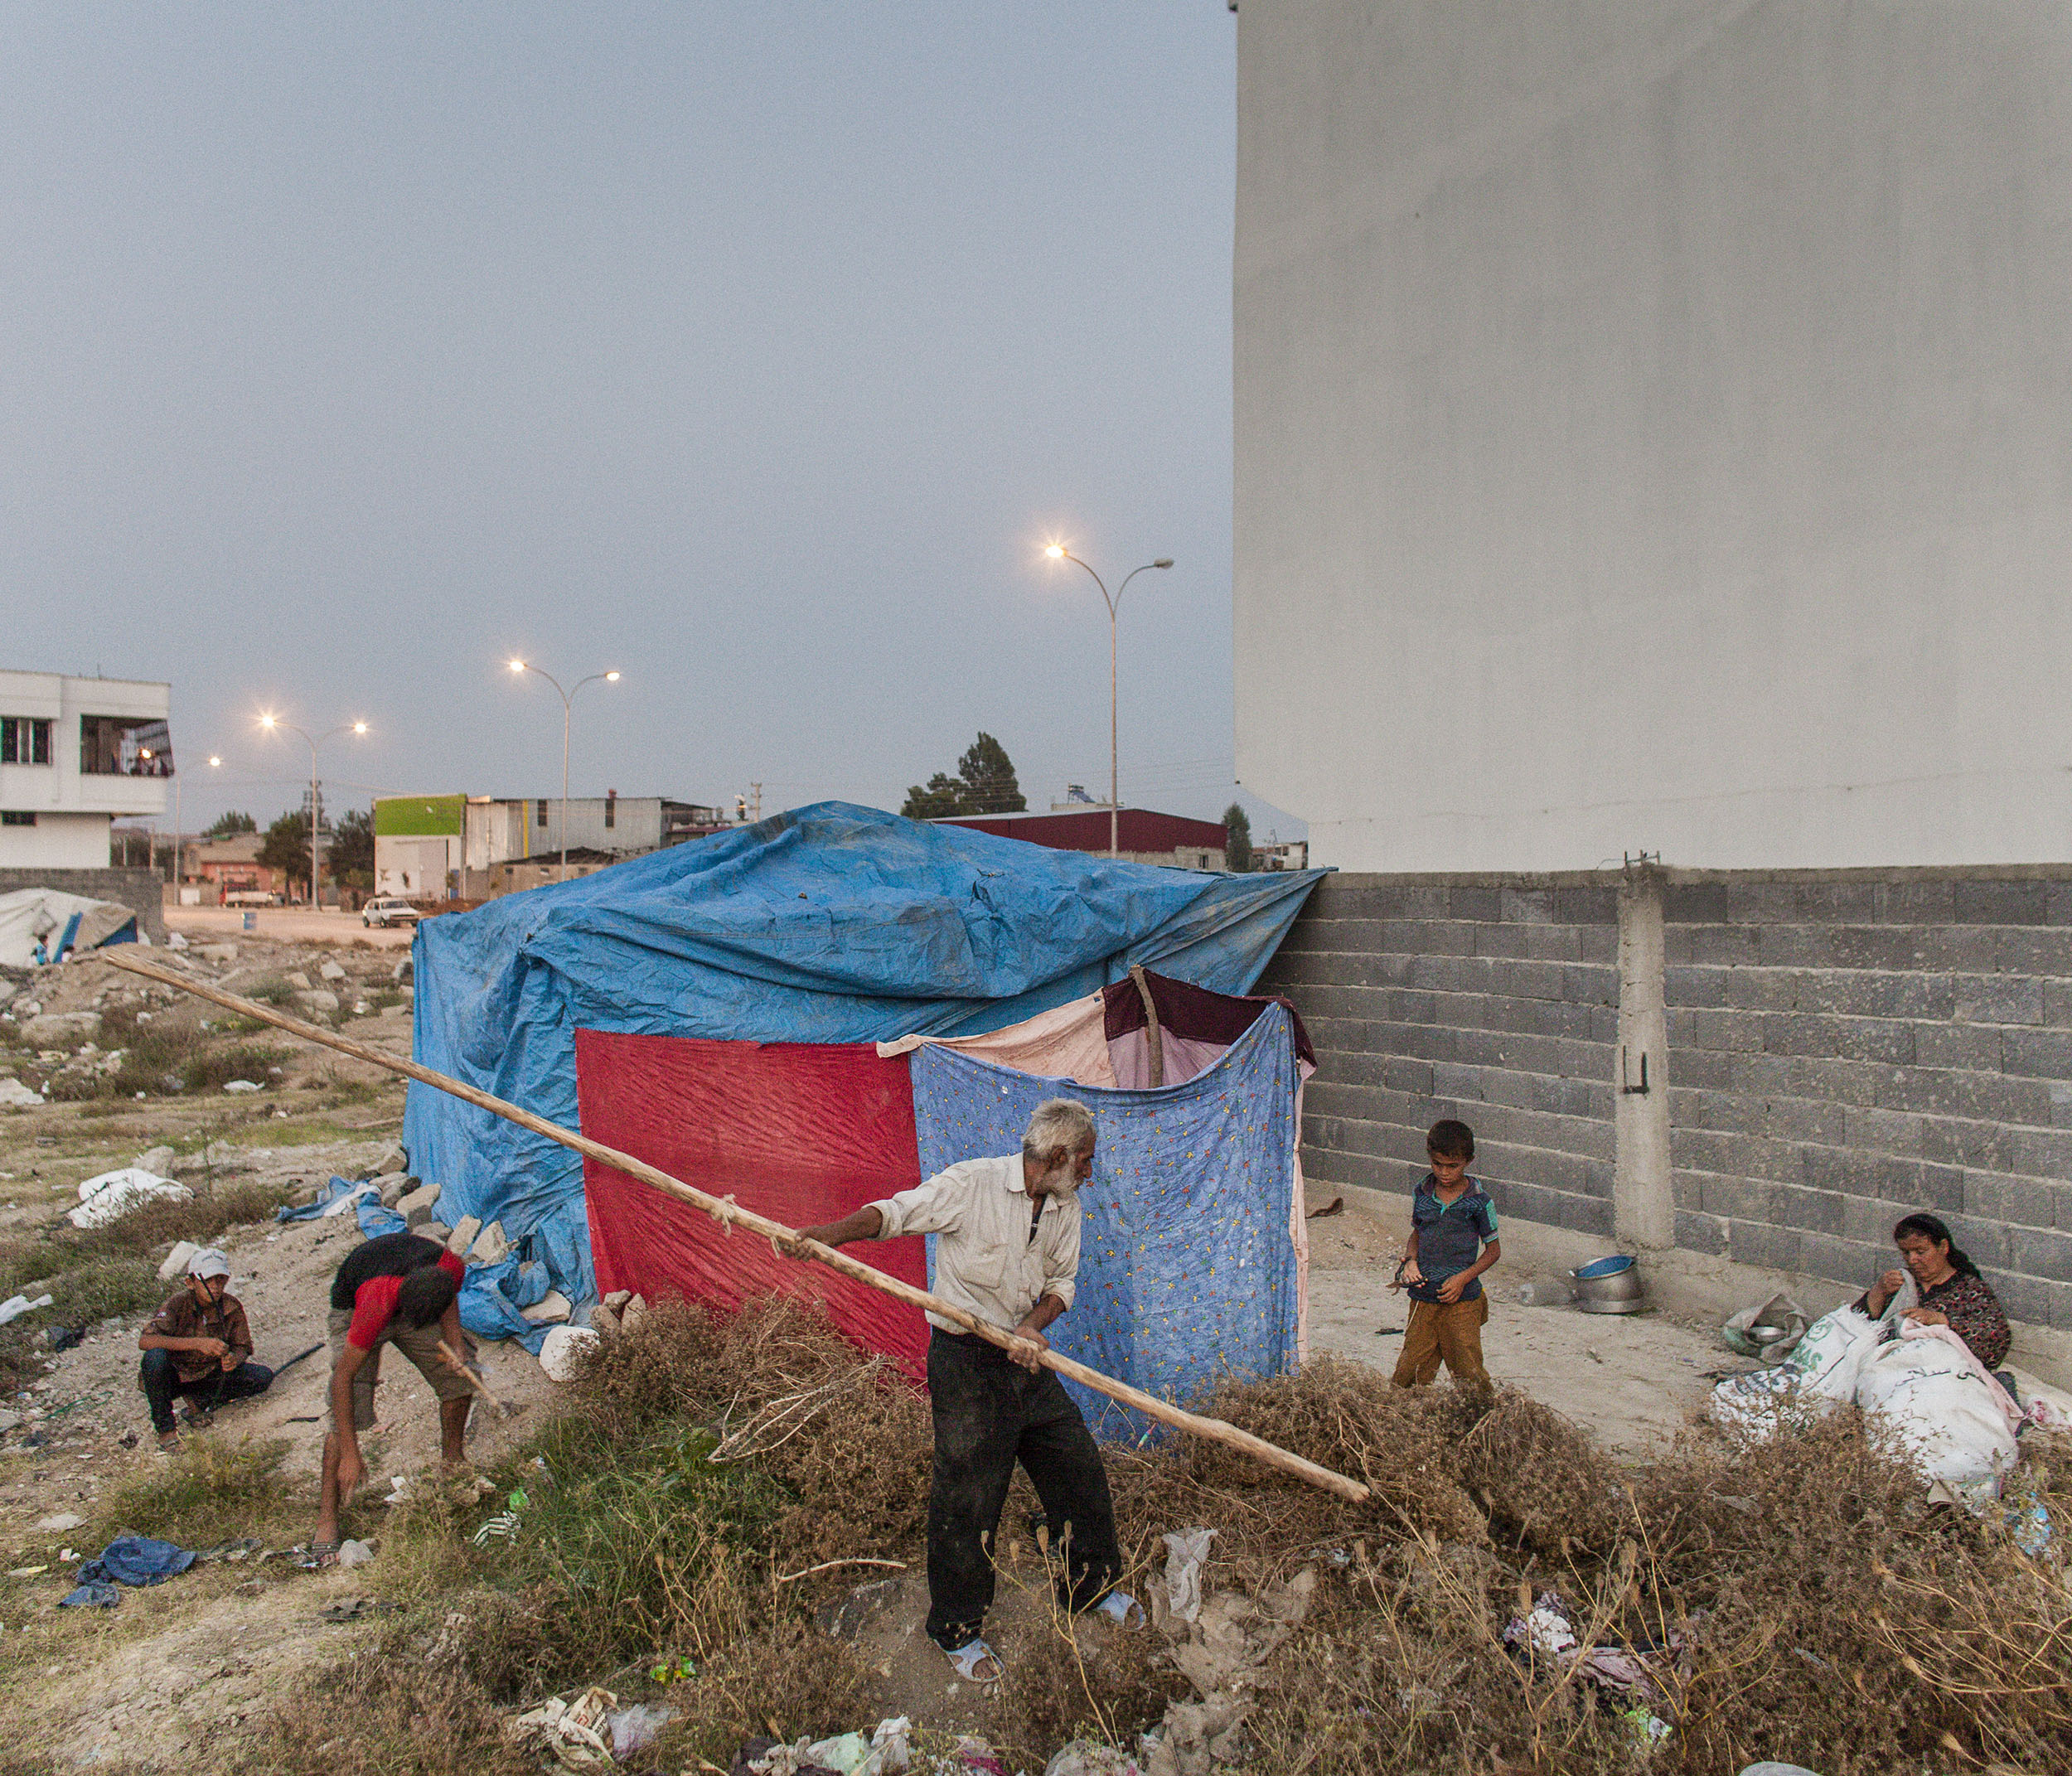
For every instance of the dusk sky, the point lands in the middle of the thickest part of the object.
(755, 351)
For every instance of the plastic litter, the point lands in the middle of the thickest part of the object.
(1185, 1550)
(574, 1732)
(241, 1085)
(105, 1199)
(14, 1306)
(1087, 1757)
(1781, 1317)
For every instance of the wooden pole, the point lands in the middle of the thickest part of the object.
(731, 1214)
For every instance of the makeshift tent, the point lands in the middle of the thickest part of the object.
(828, 925)
(33, 916)
(1194, 1247)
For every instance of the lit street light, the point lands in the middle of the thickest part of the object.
(1059, 552)
(567, 702)
(272, 724)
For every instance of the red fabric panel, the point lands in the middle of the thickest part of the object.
(800, 1132)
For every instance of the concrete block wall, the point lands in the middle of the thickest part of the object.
(1493, 999)
(1843, 1047)
(1847, 1048)
(141, 890)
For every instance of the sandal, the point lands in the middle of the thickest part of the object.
(1122, 1609)
(323, 1554)
(967, 1659)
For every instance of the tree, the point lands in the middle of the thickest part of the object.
(1236, 839)
(350, 853)
(287, 849)
(228, 825)
(984, 784)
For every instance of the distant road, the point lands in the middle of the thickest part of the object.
(287, 924)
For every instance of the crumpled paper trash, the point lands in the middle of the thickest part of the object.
(573, 1731)
(884, 1753)
(1087, 1757)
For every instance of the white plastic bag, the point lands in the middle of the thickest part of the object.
(113, 1195)
(1954, 1428)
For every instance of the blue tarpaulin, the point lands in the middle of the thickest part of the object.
(1187, 1262)
(831, 923)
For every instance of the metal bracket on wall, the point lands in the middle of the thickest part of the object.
(1626, 1087)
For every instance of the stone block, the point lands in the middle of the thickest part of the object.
(1582, 984)
(1704, 1235)
(1456, 1083)
(2002, 903)
(1694, 987)
(1758, 1242)
(1999, 999)
(1759, 903)
(1482, 905)
(1737, 1199)
(1977, 1097)
(1948, 1141)
(317, 999)
(1973, 1047)
(1527, 906)
(1587, 906)
(1873, 1130)
(1805, 1119)
(2007, 1201)
(2043, 1153)
(1765, 989)
(1810, 1211)
(1941, 1187)
(1835, 902)
(2037, 1253)
(1897, 947)
(1587, 1215)
(2044, 950)
(1724, 945)
(2042, 1054)
(1853, 1263)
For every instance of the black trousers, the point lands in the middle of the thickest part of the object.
(162, 1385)
(990, 1413)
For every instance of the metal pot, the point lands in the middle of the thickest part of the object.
(1610, 1285)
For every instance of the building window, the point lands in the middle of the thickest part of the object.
(17, 817)
(116, 746)
(540, 818)
(25, 740)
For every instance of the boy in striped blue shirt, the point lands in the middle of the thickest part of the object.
(1452, 1239)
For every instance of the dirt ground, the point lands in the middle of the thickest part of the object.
(285, 925)
(1629, 1379)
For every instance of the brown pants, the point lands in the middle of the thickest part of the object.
(1450, 1333)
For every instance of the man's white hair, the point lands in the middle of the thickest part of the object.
(1059, 1124)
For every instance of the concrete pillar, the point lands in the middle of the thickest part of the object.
(1643, 1196)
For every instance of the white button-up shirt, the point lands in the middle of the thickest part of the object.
(984, 1260)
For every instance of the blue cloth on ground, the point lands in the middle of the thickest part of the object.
(831, 923)
(494, 1292)
(329, 1194)
(138, 1560)
(97, 1594)
(1186, 1263)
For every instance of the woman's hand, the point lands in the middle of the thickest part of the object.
(1887, 1286)
(1926, 1316)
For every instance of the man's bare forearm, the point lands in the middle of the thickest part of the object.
(862, 1224)
(1046, 1310)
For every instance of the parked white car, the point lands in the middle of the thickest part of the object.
(389, 909)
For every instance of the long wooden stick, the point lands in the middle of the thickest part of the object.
(730, 1214)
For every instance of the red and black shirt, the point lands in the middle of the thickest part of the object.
(371, 1277)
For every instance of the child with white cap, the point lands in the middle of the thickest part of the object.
(199, 1344)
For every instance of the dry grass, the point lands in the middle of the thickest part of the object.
(1799, 1599)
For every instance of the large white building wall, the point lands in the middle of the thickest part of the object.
(57, 841)
(1654, 430)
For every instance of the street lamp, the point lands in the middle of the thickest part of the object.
(1059, 552)
(271, 723)
(176, 845)
(518, 667)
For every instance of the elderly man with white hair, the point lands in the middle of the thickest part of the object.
(1007, 1250)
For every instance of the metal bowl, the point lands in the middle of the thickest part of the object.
(1614, 1289)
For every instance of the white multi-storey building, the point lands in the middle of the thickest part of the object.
(76, 754)
(1652, 431)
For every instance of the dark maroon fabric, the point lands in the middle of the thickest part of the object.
(1194, 1014)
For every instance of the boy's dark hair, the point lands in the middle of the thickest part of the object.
(425, 1295)
(1449, 1139)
